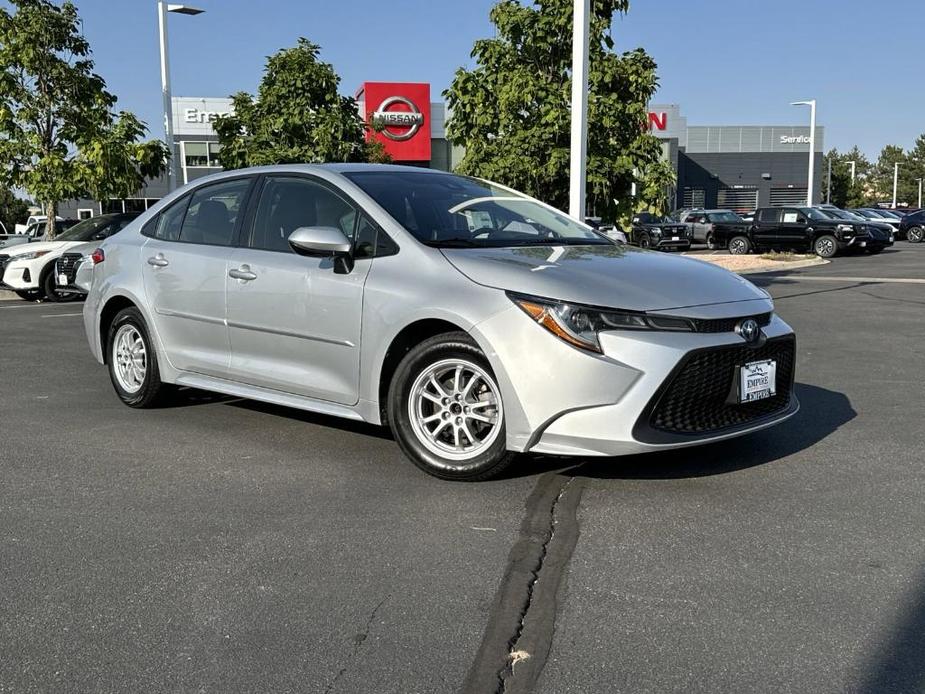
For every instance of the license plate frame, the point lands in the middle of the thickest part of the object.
(757, 380)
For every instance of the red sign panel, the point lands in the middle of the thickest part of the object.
(658, 121)
(401, 112)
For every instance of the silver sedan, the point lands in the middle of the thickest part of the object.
(473, 320)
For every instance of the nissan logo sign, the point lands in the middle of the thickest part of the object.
(385, 119)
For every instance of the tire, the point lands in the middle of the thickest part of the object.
(915, 234)
(148, 390)
(50, 289)
(739, 245)
(825, 246)
(644, 241)
(462, 375)
(30, 294)
(711, 242)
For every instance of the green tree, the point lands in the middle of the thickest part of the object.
(915, 168)
(512, 111)
(881, 176)
(297, 117)
(59, 137)
(13, 210)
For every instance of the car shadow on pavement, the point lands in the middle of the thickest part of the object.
(821, 413)
(898, 665)
(307, 417)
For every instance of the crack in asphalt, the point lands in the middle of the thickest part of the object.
(518, 636)
(357, 643)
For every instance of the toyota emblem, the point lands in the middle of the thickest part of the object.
(412, 120)
(748, 329)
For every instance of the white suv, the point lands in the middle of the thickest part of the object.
(28, 269)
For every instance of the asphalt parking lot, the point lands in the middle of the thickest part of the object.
(220, 545)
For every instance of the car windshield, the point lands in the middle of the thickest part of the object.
(724, 217)
(450, 211)
(84, 231)
(813, 213)
(843, 214)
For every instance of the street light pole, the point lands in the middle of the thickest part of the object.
(895, 182)
(579, 135)
(162, 9)
(920, 192)
(812, 146)
(853, 163)
(828, 184)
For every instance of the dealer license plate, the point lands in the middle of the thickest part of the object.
(757, 380)
(62, 279)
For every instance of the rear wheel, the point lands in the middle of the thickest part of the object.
(825, 246)
(915, 234)
(711, 242)
(132, 361)
(739, 245)
(445, 410)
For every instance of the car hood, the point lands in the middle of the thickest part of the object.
(19, 249)
(618, 276)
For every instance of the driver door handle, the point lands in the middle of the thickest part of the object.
(158, 261)
(243, 273)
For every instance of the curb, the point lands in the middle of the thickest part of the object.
(8, 296)
(793, 265)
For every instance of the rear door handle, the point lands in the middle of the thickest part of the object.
(158, 261)
(243, 273)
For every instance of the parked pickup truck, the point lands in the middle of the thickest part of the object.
(34, 232)
(797, 228)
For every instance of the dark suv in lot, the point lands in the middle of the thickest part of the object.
(913, 226)
(803, 228)
(657, 231)
(709, 225)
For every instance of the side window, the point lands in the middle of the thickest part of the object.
(170, 220)
(287, 203)
(767, 215)
(791, 217)
(212, 212)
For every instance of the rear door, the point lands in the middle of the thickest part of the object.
(185, 267)
(294, 321)
(766, 226)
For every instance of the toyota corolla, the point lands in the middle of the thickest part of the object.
(474, 321)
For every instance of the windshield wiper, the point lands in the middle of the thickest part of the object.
(455, 242)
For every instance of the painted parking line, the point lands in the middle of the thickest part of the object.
(60, 315)
(869, 280)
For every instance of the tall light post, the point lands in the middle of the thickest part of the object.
(812, 146)
(579, 136)
(920, 192)
(853, 165)
(895, 182)
(162, 9)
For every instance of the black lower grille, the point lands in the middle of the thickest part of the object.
(700, 396)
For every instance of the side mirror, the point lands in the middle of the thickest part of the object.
(326, 242)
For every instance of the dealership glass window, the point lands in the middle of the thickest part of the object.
(135, 205)
(112, 205)
(213, 211)
(214, 149)
(196, 153)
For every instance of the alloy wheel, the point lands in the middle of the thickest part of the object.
(915, 234)
(455, 410)
(130, 357)
(738, 247)
(825, 247)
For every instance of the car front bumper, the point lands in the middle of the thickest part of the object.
(21, 275)
(563, 401)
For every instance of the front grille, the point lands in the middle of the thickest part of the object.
(727, 325)
(700, 397)
(67, 265)
(4, 259)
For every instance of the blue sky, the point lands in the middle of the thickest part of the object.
(724, 61)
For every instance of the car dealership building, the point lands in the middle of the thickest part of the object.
(731, 166)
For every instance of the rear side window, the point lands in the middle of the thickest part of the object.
(170, 220)
(213, 211)
(767, 215)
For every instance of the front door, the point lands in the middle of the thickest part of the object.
(185, 266)
(294, 321)
(793, 226)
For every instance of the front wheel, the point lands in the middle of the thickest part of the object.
(915, 234)
(445, 410)
(825, 246)
(739, 245)
(711, 242)
(51, 291)
(132, 361)
(29, 295)
(644, 241)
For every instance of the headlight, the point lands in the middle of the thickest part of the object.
(656, 230)
(579, 325)
(845, 227)
(30, 256)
